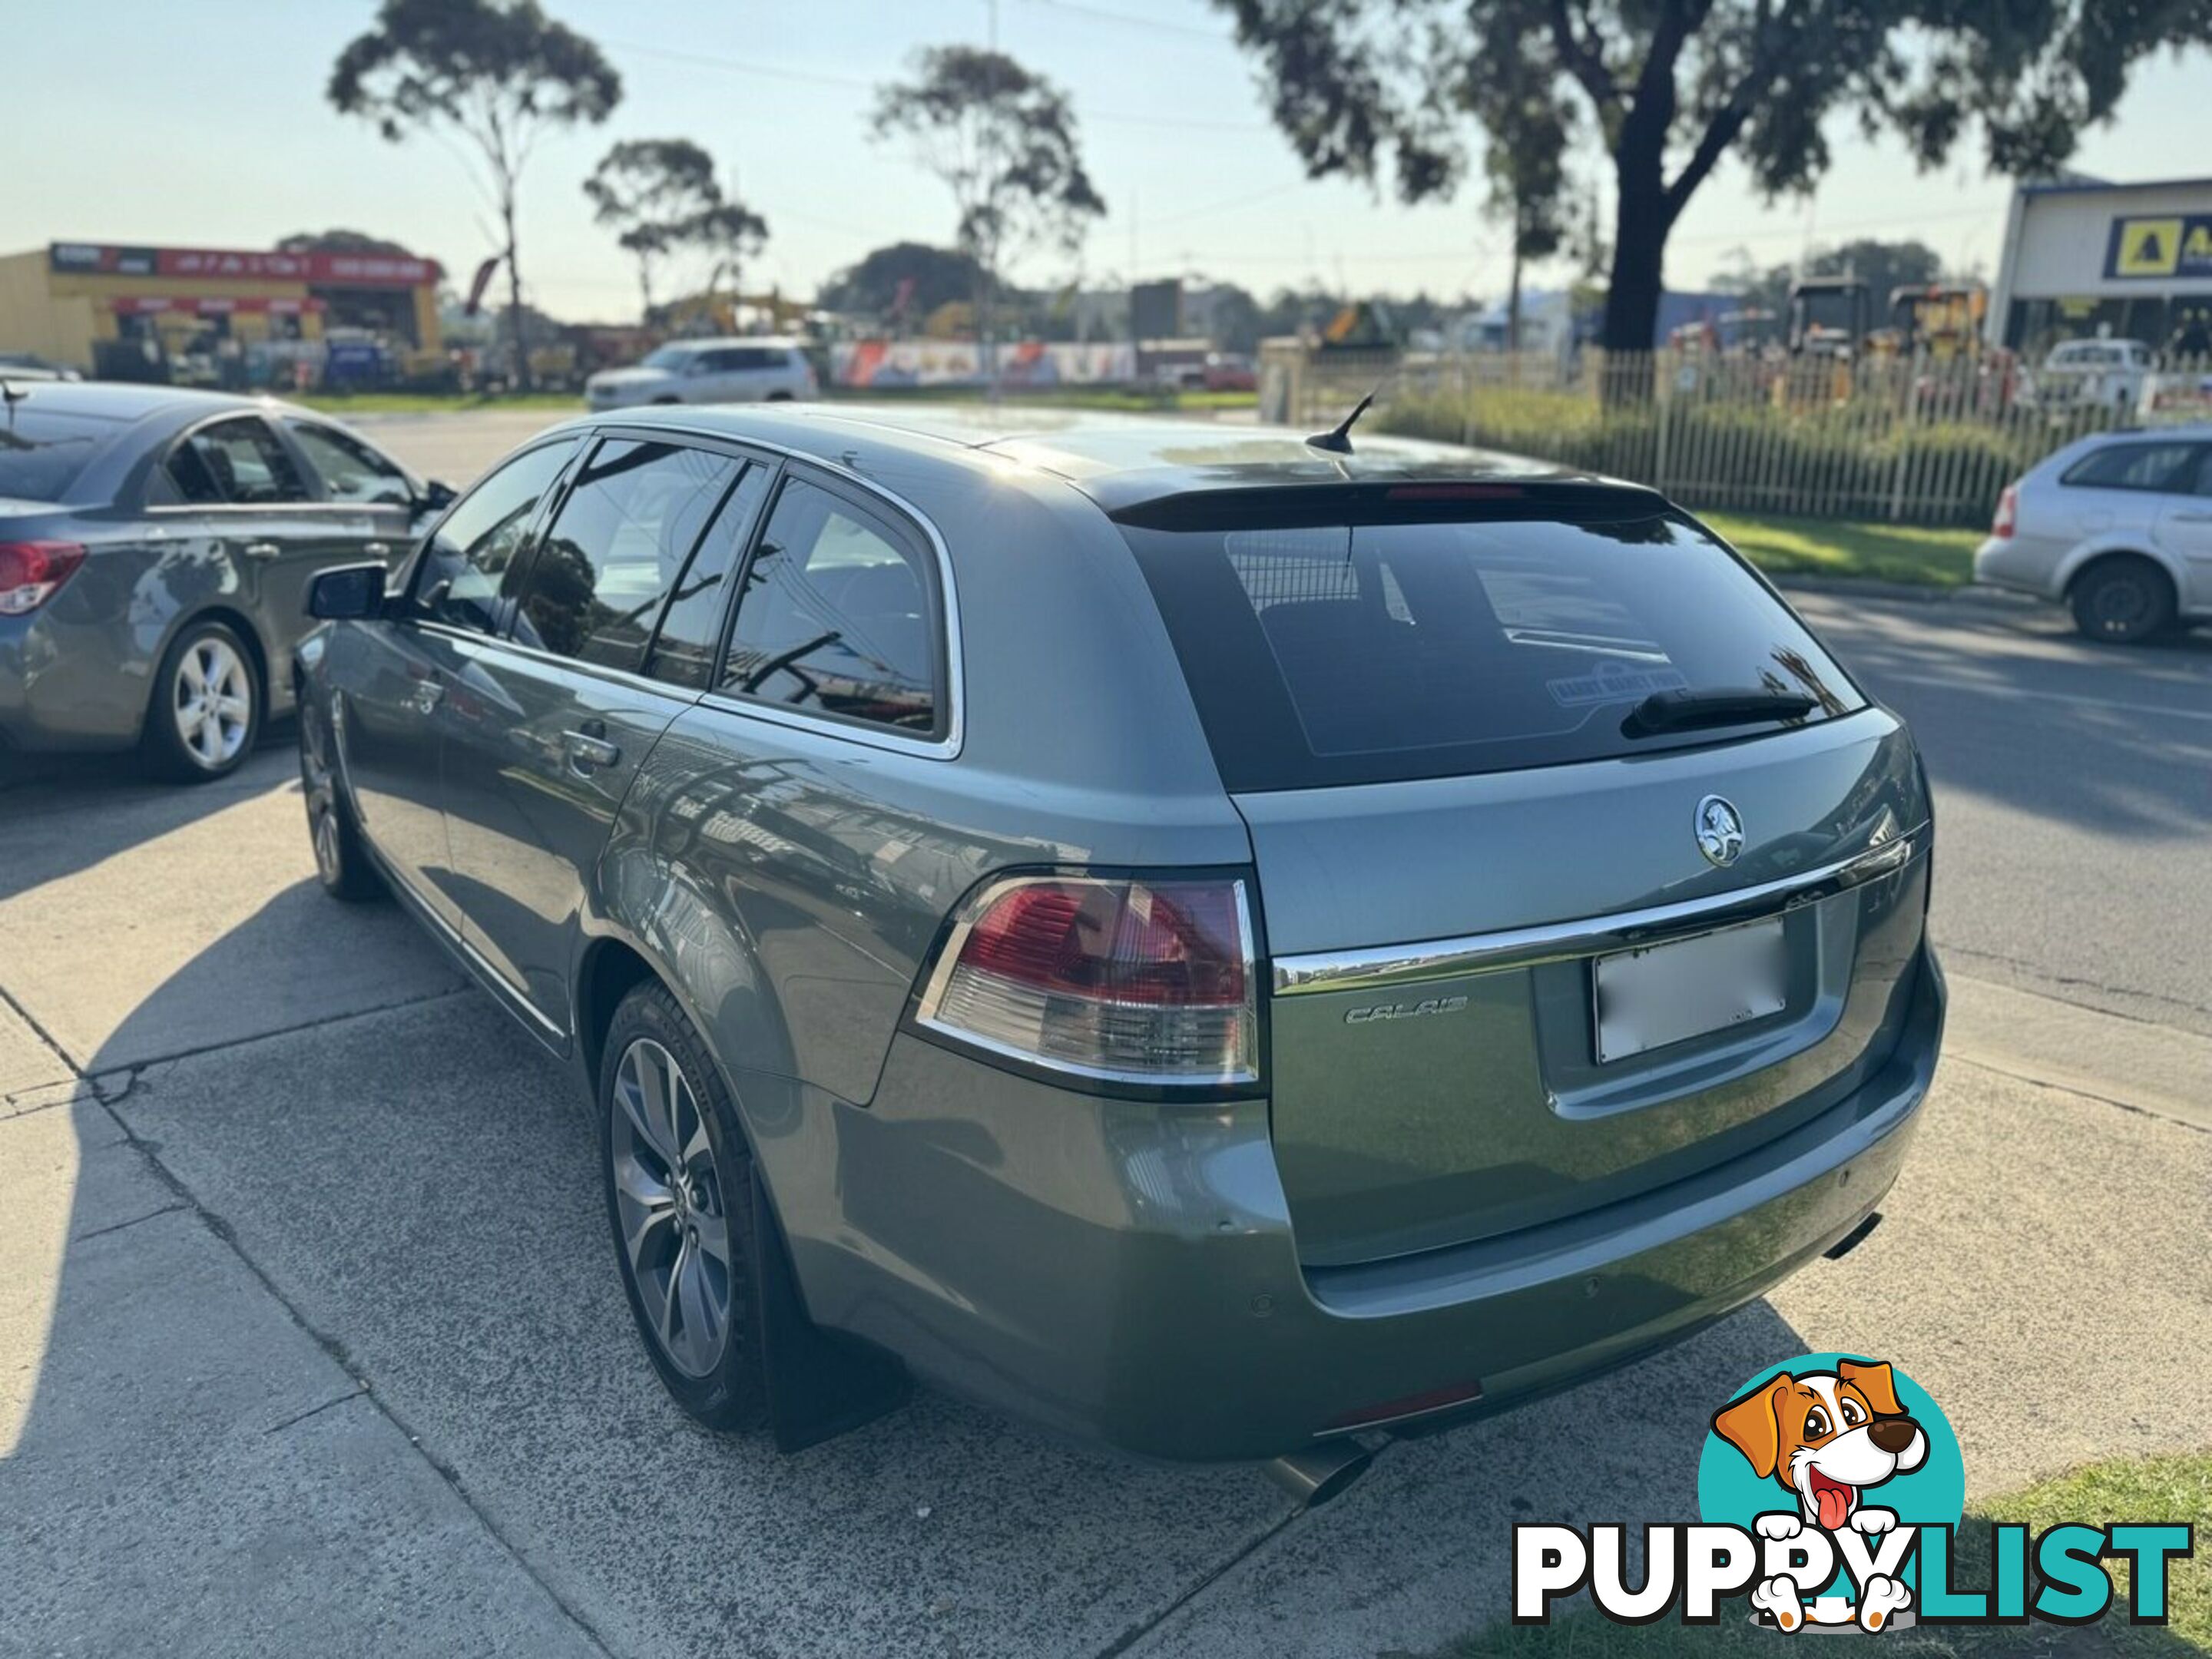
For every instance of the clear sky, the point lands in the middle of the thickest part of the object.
(148, 121)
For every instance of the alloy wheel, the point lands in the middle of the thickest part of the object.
(669, 1198)
(322, 799)
(212, 702)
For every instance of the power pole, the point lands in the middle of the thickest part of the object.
(987, 320)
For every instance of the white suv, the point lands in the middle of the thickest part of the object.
(2107, 373)
(2118, 526)
(748, 371)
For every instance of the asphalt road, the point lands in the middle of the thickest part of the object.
(2073, 790)
(311, 1338)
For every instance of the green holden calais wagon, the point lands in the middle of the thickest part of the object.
(1213, 940)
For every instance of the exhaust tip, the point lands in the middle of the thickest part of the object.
(1318, 1473)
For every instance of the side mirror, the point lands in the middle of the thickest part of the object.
(347, 593)
(437, 495)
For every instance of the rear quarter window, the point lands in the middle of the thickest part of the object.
(2132, 466)
(1345, 655)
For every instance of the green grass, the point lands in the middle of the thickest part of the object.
(1882, 552)
(434, 403)
(2170, 1488)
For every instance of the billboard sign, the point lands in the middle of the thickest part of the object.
(2172, 245)
(338, 269)
(888, 363)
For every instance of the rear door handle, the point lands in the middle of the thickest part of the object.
(586, 751)
(262, 549)
(376, 550)
(2192, 517)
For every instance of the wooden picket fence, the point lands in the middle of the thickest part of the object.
(1912, 440)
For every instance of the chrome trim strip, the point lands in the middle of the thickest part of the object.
(1380, 966)
(683, 696)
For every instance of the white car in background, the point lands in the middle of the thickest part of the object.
(2117, 526)
(2108, 373)
(730, 371)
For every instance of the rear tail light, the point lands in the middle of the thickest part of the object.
(1124, 980)
(2007, 513)
(31, 571)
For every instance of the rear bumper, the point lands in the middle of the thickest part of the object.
(1128, 1274)
(2023, 564)
(62, 688)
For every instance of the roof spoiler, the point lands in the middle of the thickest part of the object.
(1424, 501)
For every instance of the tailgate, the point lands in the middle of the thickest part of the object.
(1434, 1052)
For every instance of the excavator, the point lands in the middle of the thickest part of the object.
(1945, 319)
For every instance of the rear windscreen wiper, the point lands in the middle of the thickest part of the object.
(1720, 705)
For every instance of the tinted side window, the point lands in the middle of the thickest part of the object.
(2131, 466)
(691, 628)
(238, 462)
(350, 469)
(611, 557)
(838, 615)
(475, 553)
(2201, 485)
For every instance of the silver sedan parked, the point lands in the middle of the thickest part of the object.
(155, 549)
(2117, 526)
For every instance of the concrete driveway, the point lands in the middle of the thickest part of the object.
(311, 1338)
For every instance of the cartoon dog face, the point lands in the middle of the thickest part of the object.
(1826, 1436)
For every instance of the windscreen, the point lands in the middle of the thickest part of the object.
(42, 453)
(1374, 652)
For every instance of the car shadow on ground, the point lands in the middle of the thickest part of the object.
(94, 806)
(421, 1187)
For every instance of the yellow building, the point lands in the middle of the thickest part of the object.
(113, 310)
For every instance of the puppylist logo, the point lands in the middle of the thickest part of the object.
(1830, 1490)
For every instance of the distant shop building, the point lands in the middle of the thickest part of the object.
(129, 312)
(2084, 259)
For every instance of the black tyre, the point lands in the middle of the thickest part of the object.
(679, 1188)
(204, 715)
(342, 862)
(2122, 600)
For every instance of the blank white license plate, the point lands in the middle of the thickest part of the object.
(1670, 992)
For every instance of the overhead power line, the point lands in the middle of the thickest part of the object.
(1131, 20)
(816, 78)
(1227, 204)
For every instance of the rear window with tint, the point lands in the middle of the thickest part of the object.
(2132, 466)
(1370, 653)
(42, 453)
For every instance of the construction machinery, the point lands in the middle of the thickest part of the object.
(1827, 316)
(1943, 319)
